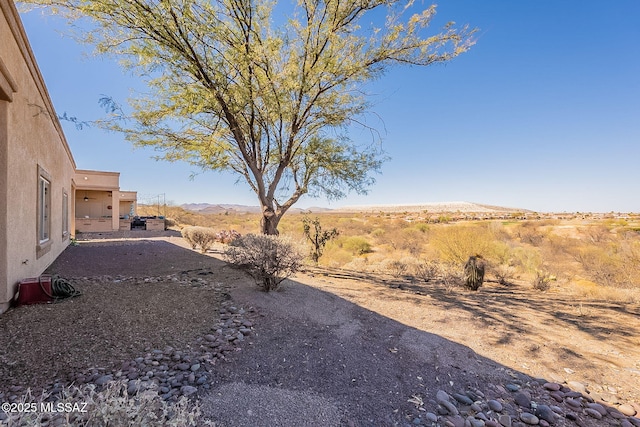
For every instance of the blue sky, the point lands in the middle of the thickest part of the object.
(543, 113)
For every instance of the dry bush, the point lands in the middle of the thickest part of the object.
(200, 236)
(378, 234)
(394, 267)
(596, 233)
(408, 239)
(186, 235)
(112, 406)
(527, 259)
(358, 264)
(426, 270)
(504, 273)
(530, 233)
(456, 243)
(542, 281)
(452, 276)
(205, 237)
(335, 256)
(498, 231)
(268, 259)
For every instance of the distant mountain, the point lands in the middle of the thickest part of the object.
(207, 208)
(440, 207)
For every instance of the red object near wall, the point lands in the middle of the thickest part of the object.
(35, 290)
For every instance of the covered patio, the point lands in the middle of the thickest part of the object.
(100, 206)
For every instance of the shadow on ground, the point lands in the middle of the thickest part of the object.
(317, 359)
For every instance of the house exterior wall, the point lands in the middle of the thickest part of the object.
(32, 145)
(100, 205)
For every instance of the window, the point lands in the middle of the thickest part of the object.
(44, 211)
(65, 214)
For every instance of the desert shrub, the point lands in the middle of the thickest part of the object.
(317, 236)
(357, 264)
(335, 255)
(406, 239)
(422, 227)
(527, 259)
(203, 237)
(378, 234)
(199, 236)
(529, 232)
(186, 235)
(542, 281)
(451, 275)
(112, 406)
(596, 233)
(394, 267)
(457, 243)
(504, 273)
(356, 245)
(498, 230)
(426, 270)
(227, 236)
(268, 259)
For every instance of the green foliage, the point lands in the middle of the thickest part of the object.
(230, 90)
(268, 259)
(318, 237)
(356, 245)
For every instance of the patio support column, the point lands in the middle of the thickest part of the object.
(115, 210)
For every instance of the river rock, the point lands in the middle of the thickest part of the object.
(552, 386)
(188, 390)
(593, 413)
(462, 399)
(450, 407)
(598, 408)
(494, 405)
(545, 413)
(442, 396)
(529, 418)
(522, 399)
(103, 380)
(505, 420)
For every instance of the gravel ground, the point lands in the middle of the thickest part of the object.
(324, 350)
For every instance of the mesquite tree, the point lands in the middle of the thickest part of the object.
(263, 88)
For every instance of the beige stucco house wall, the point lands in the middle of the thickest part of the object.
(100, 205)
(36, 165)
(44, 200)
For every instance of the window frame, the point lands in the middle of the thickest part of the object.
(65, 214)
(43, 212)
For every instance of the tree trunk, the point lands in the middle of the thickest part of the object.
(269, 222)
